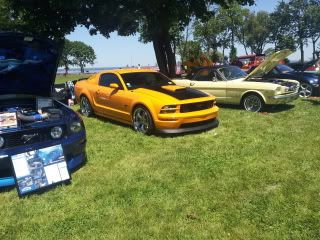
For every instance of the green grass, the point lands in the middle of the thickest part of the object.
(256, 176)
(61, 78)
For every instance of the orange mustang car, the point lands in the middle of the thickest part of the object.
(147, 100)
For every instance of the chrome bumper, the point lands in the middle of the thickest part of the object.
(286, 96)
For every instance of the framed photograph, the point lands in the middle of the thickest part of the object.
(39, 169)
(8, 120)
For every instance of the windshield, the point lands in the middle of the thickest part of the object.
(284, 68)
(145, 80)
(231, 73)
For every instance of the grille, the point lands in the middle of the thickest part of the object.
(192, 107)
(26, 137)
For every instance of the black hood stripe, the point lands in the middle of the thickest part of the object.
(180, 94)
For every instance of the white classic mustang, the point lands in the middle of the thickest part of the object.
(231, 85)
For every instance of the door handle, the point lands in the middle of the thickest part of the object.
(192, 83)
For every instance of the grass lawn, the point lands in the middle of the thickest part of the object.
(256, 176)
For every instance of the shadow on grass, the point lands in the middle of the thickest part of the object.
(162, 135)
(314, 100)
(266, 109)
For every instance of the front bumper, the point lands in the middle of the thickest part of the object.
(174, 122)
(193, 127)
(73, 147)
(282, 99)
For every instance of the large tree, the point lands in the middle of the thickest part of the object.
(313, 13)
(232, 14)
(258, 32)
(82, 54)
(299, 22)
(50, 18)
(66, 58)
(153, 19)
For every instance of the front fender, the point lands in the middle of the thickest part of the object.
(253, 91)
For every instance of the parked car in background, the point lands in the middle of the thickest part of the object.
(231, 85)
(311, 66)
(246, 62)
(147, 100)
(309, 81)
(64, 92)
(29, 118)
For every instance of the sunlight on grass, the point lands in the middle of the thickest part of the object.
(256, 176)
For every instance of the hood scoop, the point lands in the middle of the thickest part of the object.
(173, 88)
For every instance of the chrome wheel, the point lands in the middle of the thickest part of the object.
(142, 120)
(252, 103)
(85, 107)
(305, 90)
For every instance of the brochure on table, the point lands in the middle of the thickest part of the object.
(39, 169)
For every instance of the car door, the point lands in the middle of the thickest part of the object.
(209, 80)
(113, 102)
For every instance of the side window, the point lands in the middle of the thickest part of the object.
(203, 75)
(208, 75)
(108, 78)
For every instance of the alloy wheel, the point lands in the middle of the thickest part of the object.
(305, 90)
(85, 107)
(142, 121)
(253, 103)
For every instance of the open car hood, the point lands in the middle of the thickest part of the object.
(267, 65)
(28, 65)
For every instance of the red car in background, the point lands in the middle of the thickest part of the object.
(246, 62)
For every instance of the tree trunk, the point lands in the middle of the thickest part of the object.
(314, 50)
(245, 49)
(164, 54)
(170, 57)
(66, 69)
(81, 68)
(161, 58)
(301, 51)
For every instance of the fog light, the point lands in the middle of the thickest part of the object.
(1, 142)
(75, 127)
(56, 132)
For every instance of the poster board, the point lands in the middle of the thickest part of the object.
(39, 169)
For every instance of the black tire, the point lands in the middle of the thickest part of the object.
(305, 90)
(142, 120)
(252, 102)
(85, 107)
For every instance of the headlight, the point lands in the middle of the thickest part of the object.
(278, 90)
(169, 109)
(1, 142)
(56, 132)
(75, 127)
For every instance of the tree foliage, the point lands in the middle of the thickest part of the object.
(82, 54)
(76, 53)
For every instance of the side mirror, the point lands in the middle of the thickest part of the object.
(114, 85)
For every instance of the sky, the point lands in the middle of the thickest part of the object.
(118, 51)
